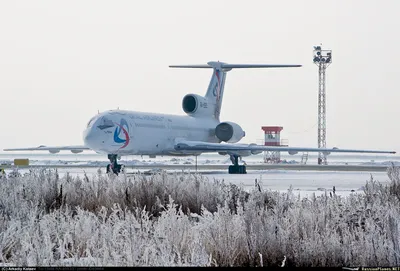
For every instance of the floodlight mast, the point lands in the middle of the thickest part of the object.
(322, 58)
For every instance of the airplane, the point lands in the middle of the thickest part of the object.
(120, 132)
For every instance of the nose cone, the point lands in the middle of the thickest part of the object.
(89, 137)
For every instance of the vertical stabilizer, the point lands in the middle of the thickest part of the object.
(215, 91)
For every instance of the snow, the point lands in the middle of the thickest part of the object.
(183, 219)
(84, 217)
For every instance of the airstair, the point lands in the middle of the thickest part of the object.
(304, 158)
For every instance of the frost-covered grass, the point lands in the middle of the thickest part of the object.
(174, 220)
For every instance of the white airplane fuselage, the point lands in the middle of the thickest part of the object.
(119, 132)
(139, 133)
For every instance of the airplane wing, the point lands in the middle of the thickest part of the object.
(248, 149)
(53, 149)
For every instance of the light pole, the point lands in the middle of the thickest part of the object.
(322, 58)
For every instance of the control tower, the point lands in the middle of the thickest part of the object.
(272, 137)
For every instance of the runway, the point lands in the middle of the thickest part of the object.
(296, 167)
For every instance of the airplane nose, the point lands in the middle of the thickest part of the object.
(88, 137)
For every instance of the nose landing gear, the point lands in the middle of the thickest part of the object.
(113, 166)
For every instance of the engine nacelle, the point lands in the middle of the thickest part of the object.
(196, 105)
(240, 153)
(328, 152)
(229, 132)
(255, 152)
(244, 152)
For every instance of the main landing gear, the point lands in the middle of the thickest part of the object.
(236, 168)
(113, 166)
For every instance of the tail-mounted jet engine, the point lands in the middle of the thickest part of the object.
(229, 132)
(196, 105)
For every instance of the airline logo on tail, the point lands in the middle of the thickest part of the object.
(124, 128)
(217, 88)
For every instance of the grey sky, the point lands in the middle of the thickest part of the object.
(61, 61)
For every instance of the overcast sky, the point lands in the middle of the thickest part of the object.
(62, 61)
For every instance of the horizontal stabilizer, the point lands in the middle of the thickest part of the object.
(226, 66)
(191, 66)
(247, 66)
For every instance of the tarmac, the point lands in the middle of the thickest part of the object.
(298, 167)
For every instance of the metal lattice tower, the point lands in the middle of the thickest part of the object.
(322, 58)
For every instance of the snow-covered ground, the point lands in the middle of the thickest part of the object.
(180, 219)
(302, 182)
(205, 159)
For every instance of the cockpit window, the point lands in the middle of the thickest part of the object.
(105, 123)
(91, 121)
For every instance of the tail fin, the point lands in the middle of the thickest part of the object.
(215, 91)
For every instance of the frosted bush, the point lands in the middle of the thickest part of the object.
(188, 220)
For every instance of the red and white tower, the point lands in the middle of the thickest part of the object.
(272, 137)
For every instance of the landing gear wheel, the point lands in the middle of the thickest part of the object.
(114, 166)
(235, 168)
(115, 169)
